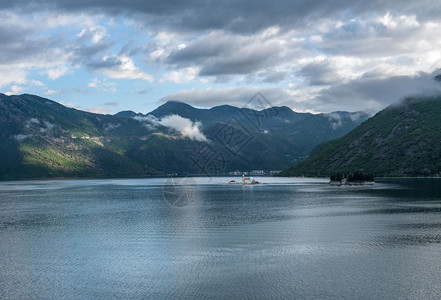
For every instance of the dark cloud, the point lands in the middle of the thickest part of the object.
(271, 76)
(10, 34)
(375, 93)
(143, 92)
(241, 63)
(236, 16)
(319, 73)
(87, 54)
(219, 54)
(105, 63)
(17, 43)
(130, 49)
(111, 103)
(208, 46)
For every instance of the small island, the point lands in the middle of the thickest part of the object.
(355, 178)
(245, 181)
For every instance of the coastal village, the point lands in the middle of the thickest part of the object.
(253, 173)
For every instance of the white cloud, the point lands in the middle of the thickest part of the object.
(94, 33)
(56, 72)
(10, 75)
(186, 127)
(164, 43)
(182, 76)
(121, 67)
(14, 90)
(50, 92)
(36, 83)
(102, 85)
(93, 83)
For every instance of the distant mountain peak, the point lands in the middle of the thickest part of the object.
(175, 107)
(127, 114)
(175, 103)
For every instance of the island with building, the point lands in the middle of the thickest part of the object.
(245, 181)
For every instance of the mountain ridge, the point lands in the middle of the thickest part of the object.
(401, 140)
(42, 139)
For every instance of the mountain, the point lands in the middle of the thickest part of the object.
(288, 132)
(179, 108)
(277, 134)
(41, 138)
(401, 140)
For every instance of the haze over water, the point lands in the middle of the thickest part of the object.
(290, 238)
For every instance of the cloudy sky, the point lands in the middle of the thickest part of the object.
(315, 56)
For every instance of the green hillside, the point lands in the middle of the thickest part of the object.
(401, 140)
(41, 139)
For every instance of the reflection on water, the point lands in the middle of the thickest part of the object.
(289, 238)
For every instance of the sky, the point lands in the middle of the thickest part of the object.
(313, 56)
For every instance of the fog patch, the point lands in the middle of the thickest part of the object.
(111, 126)
(21, 137)
(360, 115)
(334, 120)
(150, 121)
(48, 127)
(35, 124)
(32, 121)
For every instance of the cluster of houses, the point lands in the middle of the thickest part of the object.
(252, 173)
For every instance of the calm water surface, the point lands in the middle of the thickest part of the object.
(290, 238)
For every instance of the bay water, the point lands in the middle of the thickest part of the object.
(187, 238)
